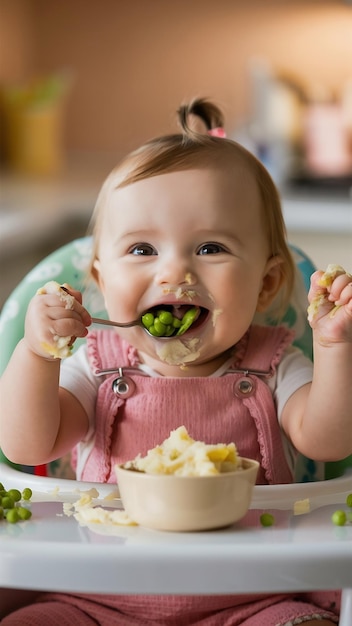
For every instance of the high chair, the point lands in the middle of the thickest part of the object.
(299, 553)
(69, 264)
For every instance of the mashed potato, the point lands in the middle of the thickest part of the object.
(326, 280)
(181, 455)
(87, 513)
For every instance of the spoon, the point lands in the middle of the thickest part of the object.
(98, 320)
(166, 323)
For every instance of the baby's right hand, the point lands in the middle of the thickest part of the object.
(54, 319)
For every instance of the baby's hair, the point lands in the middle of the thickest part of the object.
(207, 111)
(191, 150)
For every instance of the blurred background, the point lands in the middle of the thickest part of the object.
(84, 81)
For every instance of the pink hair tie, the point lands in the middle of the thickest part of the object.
(217, 132)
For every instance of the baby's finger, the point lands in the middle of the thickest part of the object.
(77, 306)
(64, 327)
(71, 291)
(71, 299)
(345, 292)
(316, 288)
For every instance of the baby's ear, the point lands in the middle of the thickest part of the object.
(272, 282)
(95, 272)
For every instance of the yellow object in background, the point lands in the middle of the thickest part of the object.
(33, 122)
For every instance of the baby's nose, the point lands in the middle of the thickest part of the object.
(175, 272)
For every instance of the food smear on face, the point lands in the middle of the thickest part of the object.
(215, 315)
(61, 347)
(180, 292)
(326, 280)
(181, 455)
(179, 352)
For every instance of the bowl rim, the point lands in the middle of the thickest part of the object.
(251, 464)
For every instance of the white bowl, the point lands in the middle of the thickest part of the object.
(187, 503)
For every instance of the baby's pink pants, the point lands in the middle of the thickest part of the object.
(278, 610)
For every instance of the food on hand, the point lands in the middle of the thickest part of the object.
(332, 271)
(181, 455)
(326, 280)
(53, 287)
(165, 324)
(62, 346)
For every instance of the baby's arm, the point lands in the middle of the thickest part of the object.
(38, 420)
(318, 417)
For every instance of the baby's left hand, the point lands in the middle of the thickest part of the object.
(330, 308)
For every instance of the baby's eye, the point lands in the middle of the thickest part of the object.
(210, 248)
(143, 249)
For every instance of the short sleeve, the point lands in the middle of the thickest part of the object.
(294, 371)
(77, 378)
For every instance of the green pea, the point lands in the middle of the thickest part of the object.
(349, 500)
(267, 519)
(189, 317)
(339, 518)
(153, 331)
(23, 513)
(159, 327)
(14, 494)
(7, 502)
(164, 324)
(10, 508)
(12, 516)
(165, 317)
(27, 493)
(148, 320)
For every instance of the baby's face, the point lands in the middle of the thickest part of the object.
(188, 238)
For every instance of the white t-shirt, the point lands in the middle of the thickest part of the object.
(76, 376)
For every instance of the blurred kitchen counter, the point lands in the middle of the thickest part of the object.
(39, 215)
(320, 223)
(31, 209)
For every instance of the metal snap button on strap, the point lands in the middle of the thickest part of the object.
(123, 386)
(244, 387)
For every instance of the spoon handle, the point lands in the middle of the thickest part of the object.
(98, 320)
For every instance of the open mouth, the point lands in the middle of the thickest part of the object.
(172, 320)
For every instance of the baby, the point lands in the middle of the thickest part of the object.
(187, 220)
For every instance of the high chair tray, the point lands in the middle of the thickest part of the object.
(302, 551)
